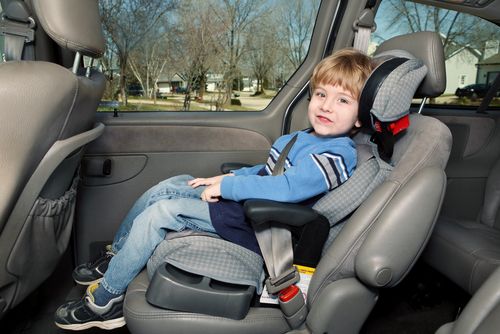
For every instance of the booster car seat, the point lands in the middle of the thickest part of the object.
(373, 248)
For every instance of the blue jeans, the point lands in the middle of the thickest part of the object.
(170, 205)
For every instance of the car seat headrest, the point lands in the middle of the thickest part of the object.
(73, 24)
(387, 94)
(428, 47)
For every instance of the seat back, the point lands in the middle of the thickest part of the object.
(47, 117)
(491, 202)
(378, 245)
(481, 315)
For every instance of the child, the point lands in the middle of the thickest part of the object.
(322, 158)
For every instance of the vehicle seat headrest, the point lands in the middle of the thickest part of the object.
(73, 24)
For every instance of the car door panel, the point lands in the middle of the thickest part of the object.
(141, 155)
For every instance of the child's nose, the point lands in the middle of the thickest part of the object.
(327, 105)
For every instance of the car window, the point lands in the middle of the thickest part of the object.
(471, 46)
(203, 55)
(2, 58)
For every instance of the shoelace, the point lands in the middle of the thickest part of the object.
(103, 255)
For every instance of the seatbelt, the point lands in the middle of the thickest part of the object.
(17, 26)
(492, 92)
(363, 27)
(275, 242)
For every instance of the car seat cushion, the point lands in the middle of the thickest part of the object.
(210, 256)
(474, 248)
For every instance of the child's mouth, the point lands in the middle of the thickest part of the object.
(325, 120)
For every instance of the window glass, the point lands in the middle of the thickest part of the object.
(213, 55)
(471, 46)
(2, 56)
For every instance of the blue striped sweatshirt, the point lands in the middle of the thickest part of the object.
(314, 166)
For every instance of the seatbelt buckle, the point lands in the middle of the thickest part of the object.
(275, 284)
(293, 305)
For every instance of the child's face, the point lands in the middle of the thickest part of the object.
(333, 111)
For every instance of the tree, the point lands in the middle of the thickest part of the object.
(457, 30)
(197, 47)
(149, 59)
(296, 19)
(262, 51)
(127, 23)
(235, 17)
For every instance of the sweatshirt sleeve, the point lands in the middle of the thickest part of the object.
(314, 174)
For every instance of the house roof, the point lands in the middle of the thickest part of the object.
(493, 60)
(175, 78)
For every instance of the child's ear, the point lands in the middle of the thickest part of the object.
(357, 124)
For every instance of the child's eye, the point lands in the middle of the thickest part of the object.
(320, 94)
(342, 100)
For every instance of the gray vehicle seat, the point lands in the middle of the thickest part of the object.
(481, 315)
(375, 247)
(468, 251)
(47, 116)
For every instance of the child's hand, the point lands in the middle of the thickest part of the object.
(207, 181)
(211, 193)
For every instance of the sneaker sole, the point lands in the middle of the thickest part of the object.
(108, 324)
(88, 283)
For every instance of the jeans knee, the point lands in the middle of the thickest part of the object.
(161, 214)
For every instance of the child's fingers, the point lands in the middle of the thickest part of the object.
(197, 182)
(205, 198)
(208, 196)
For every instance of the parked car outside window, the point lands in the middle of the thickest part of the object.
(135, 90)
(473, 91)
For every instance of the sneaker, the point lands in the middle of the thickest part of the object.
(92, 272)
(83, 314)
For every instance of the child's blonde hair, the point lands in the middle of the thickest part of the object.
(347, 68)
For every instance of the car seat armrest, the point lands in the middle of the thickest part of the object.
(260, 211)
(227, 167)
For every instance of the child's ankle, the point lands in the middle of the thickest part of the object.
(103, 296)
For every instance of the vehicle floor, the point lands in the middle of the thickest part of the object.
(35, 315)
(424, 301)
(419, 305)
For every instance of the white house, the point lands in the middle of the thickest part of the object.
(167, 84)
(461, 69)
(214, 81)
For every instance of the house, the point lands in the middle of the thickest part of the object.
(488, 69)
(461, 68)
(167, 84)
(214, 81)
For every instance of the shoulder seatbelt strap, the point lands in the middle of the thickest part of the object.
(363, 27)
(17, 26)
(492, 92)
(279, 166)
(275, 241)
